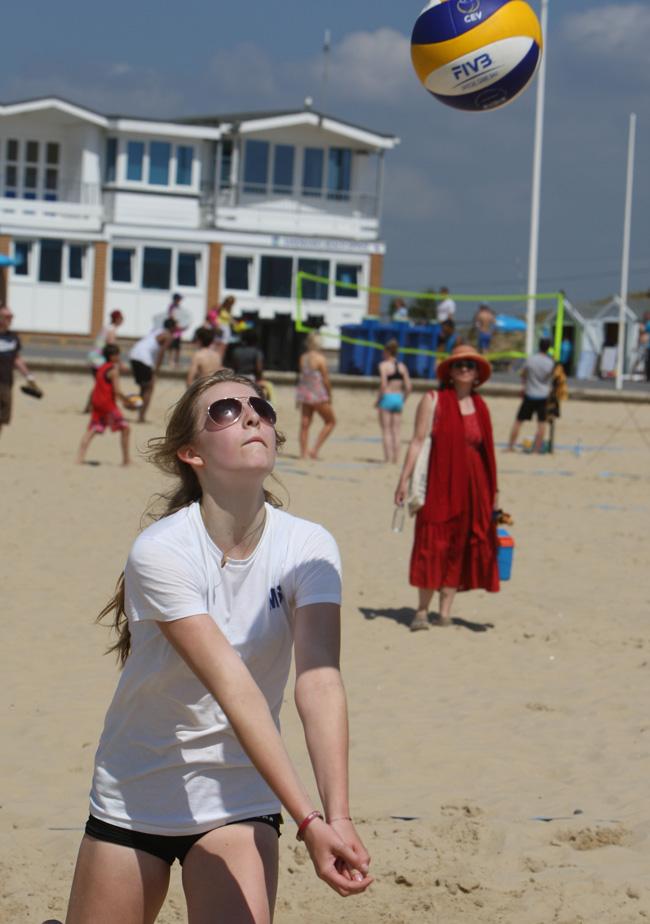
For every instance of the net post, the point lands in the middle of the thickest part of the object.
(559, 326)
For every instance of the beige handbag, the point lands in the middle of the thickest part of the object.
(417, 491)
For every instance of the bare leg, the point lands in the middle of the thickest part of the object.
(384, 423)
(329, 422)
(514, 433)
(115, 883)
(83, 446)
(395, 432)
(539, 437)
(146, 391)
(447, 595)
(230, 876)
(124, 442)
(421, 618)
(306, 414)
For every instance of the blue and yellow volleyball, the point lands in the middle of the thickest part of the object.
(476, 54)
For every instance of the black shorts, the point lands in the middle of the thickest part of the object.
(142, 373)
(166, 847)
(530, 406)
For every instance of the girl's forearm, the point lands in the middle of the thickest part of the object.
(321, 704)
(218, 666)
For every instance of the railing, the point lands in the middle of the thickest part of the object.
(273, 197)
(73, 201)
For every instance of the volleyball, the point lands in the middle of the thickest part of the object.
(476, 54)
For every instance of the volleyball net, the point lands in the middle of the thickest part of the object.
(308, 283)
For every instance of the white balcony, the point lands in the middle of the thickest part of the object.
(247, 207)
(77, 207)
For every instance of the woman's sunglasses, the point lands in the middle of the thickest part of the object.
(226, 411)
(463, 364)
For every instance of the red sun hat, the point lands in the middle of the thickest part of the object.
(464, 351)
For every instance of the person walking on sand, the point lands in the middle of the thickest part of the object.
(10, 359)
(207, 358)
(314, 395)
(105, 412)
(455, 543)
(190, 765)
(484, 324)
(146, 359)
(537, 374)
(174, 310)
(394, 388)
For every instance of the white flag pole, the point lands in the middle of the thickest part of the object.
(625, 261)
(537, 182)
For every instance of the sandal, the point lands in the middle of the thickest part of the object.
(420, 621)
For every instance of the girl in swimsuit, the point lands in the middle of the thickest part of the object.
(314, 393)
(394, 389)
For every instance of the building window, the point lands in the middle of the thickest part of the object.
(159, 156)
(283, 156)
(76, 261)
(312, 172)
(122, 264)
(49, 269)
(11, 181)
(225, 167)
(187, 270)
(52, 153)
(184, 159)
(238, 273)
(31, 155)
(275, 276)
(111, 159)
(12, 149)
(310, 289)
(23, 253)
(156, 267)
(349, 273)
(134, 160)
(256, 167)
(339, 171)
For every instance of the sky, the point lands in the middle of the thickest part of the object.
(458, 186)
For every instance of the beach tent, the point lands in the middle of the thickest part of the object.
(507, 323)
(595, 335)
(9, 261)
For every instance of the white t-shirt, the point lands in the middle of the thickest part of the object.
(168, 761)
(446, 309)
(146, 350)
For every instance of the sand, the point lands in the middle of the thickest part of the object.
(533, 705)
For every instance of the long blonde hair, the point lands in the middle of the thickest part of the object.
(162, 451)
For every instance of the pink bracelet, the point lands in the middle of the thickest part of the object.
(304, 824)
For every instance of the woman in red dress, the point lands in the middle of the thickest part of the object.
(455, 546)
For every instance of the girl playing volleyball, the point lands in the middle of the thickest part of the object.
(190, 765)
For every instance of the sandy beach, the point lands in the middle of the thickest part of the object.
(499, 767)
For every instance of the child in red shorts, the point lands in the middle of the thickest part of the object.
(105, 412)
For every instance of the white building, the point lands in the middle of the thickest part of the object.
(108, 212)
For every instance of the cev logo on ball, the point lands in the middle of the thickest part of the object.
(469, 10)
(468, 6)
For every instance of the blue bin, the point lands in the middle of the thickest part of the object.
(505, 553)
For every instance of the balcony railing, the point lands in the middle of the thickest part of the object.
(272, 197)
(71, 202)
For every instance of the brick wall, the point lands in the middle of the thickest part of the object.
(214, 277)
(99, 288)
(5, 249)
(376, 275)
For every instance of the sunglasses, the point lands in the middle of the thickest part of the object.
(463, 364)
(226, 411)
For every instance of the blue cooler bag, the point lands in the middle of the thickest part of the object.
(505, 553)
